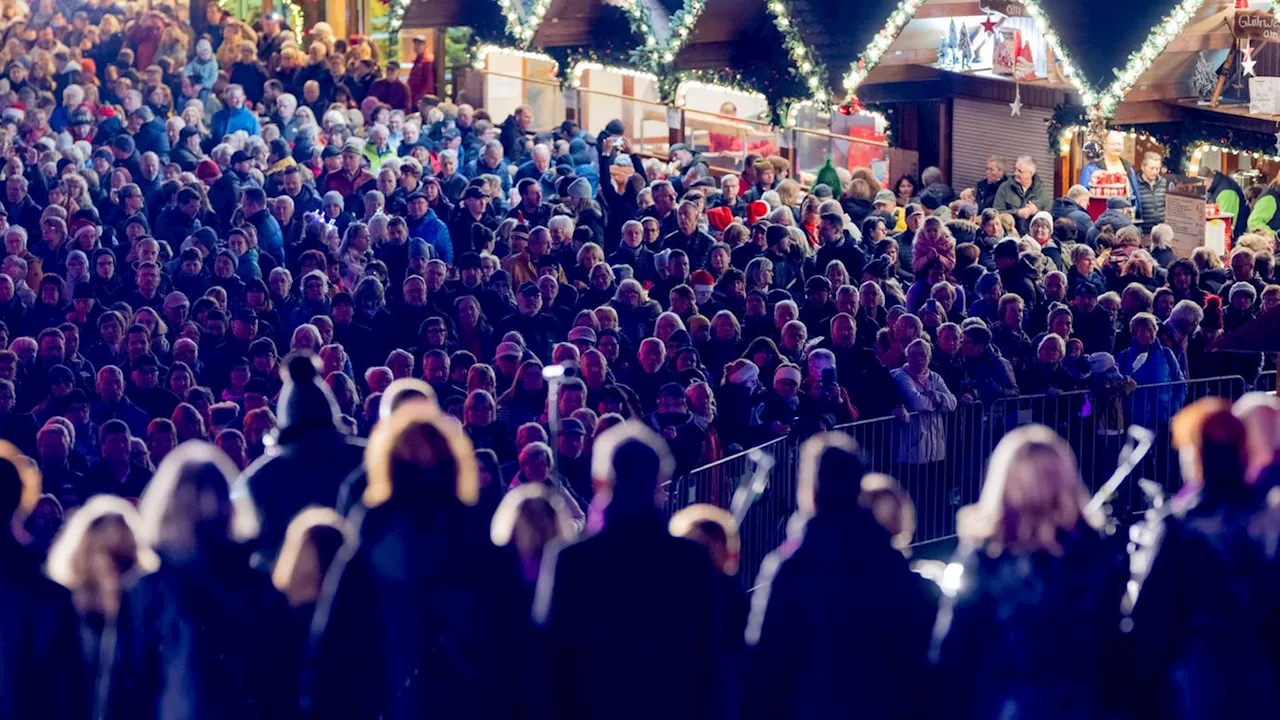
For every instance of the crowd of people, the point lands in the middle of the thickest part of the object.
(248, 277)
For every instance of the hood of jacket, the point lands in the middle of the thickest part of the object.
(1064, 206)
(1115, 218)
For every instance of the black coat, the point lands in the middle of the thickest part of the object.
(839, 624)
(299, 472)
(1064, 207)
(207, 638)
(629, 622)
(43, 674)
(423, 618)
(1205, 634)
(1033, 635)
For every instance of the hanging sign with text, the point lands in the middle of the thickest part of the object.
(1008, 8)
(1255, 25)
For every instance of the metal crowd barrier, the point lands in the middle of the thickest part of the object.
(940, 459)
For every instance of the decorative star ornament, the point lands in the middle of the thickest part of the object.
(1016, 106)
(989, 25)
(1248, 67)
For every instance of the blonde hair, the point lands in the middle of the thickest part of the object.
(532, 515)
(107, 524)
(311, 542)
(420, 446)
(1032, 493)
(890, 505)
(713, 528)
(188, 501)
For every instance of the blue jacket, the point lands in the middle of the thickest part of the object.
(270, 237)
(434, 232)
(1148, 406)
(227, 121)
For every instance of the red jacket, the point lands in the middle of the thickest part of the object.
(422, 79)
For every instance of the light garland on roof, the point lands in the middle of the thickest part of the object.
(1141, 60)
(906, 10)
(296, 20)
(654, 53)
(575, 77)
(1069, 133)
(1202, 148)
(682, 90)
(813, 72)
(482, 53)
(519, 26)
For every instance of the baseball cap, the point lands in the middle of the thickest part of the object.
(572, 426)
(239, 156)
(473, 192)
(885, 196)
(530, 289)
(582, 332)
(507, 349)
(330, 151)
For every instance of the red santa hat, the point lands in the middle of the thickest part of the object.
(720, 217)
(16, 113)
(702, 280)
(756, 211)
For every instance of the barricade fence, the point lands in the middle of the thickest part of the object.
(940, 458)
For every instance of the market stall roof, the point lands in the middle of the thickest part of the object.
(1168, 79)
(738, 43)
(838, 31)
(592, 24)
(1100, 35)
(478, 14)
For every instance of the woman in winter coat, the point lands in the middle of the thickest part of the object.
(425, 617)
(1032, 630)
(933, 242)
(636, 312)
(209, 636)
(1150, 363)
(923, 438)
(526, 399)
(98, 558)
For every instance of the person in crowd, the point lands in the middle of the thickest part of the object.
(310, 457)
(629, 649)
(377, 631)
(1031, 527)
(836, 548)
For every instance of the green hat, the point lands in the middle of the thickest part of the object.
(828, 176)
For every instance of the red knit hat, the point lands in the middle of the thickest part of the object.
(1212, 313)
(208, 170)
(720, 217)
(756, 211)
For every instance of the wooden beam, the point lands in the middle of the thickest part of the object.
(1153, 111)
(1189, 43)
(566, 32)
(704, 56)
(1164, 91)
(434, 14)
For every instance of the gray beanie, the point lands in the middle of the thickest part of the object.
(333, 197)
(580, 188)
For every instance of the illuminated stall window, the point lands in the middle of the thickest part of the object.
(513, 79)
(726, 125)
(852, 141)
(607, 94)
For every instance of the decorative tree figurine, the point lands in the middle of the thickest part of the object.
(1024, 67)
(952, 40)
(944, 52)
(965, 49)
(1204, 77)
